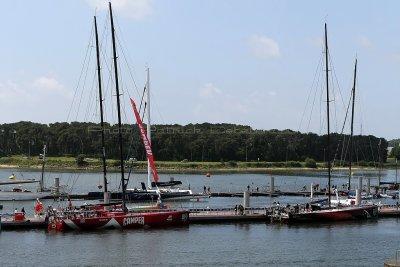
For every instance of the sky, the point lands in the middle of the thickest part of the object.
(245, 62)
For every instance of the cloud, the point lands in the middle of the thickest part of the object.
(48, 84)
(316, 41)
(395, 57)
(133, 9)
(209, 90)
(264, 47)
(364, 42)
(218, 105)
(41, 99)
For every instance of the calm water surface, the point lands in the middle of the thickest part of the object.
(344, 244)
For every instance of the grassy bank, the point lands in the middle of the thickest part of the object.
(92, 164)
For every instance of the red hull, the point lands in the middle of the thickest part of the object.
(121, 220)
(342, 214)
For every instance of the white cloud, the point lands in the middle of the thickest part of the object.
(209, 90)
(264, 47)
(316, 41)
(219, 105)
(364, 42)
(134, 9)
(40, 99)
(48, 84)
(395, 56)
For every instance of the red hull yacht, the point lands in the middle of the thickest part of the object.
(103, 219)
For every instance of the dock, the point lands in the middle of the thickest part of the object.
(227, 215)
(27, 224)
(389, 211)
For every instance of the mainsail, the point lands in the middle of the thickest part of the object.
(146, 142)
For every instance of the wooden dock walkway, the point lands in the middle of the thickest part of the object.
(227, 215)
(389, 211)
(28, 223)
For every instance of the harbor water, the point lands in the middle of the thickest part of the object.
(367, 243)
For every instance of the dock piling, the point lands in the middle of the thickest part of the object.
(56, 186)
(246, 199)
(272, 185)
(312, 191)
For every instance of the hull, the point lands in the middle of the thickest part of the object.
(20, 196)
(121, 220)
(334, 215)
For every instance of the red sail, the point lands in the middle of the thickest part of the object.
(146, 142)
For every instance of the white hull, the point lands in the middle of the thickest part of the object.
(19, 196)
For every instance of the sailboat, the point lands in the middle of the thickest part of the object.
(20, 194)
(167, 190)
(113, 216)
(328, 213)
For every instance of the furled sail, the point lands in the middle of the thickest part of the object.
(146, 142)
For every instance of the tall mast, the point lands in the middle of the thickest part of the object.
(121, 155)
(42, 174)
(352, 123)
(103, 155)
(148, 125)
(328, 150)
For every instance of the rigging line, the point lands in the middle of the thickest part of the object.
(321, 118)
(84, 84)
(313, 103)
(125, 56)
(335, 76)
(107, 88)
(155, 102)
(310, 91)
(342, 131)
(89, 106)
(141, 100)
(81, 72)
(144, 110)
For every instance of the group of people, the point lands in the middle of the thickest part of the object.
(206, 190)
(239, 209)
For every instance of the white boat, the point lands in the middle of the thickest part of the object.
(19, 193)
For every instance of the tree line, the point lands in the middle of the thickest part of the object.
(192, 142)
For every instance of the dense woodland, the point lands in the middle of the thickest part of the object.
(192, 142)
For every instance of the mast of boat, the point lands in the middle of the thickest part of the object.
(352, 123)
(148, 125)
(396, 171)
(380, 163)
(121, 154)
(328, 143)
(103, 149)
(41, 189)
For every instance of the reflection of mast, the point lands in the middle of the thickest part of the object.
(148, 125)
(103, 154)
(352, 123)
(121, 155)
(328, 150)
